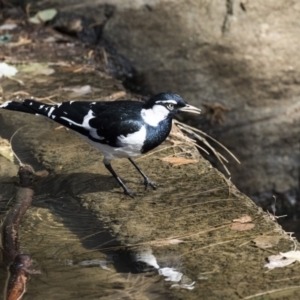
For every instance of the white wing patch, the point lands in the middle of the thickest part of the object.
(50, 111)
(131, 145)
(5, 104)
(133, 139)
(85, 124)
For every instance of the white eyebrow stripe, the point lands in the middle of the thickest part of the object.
(167, 101)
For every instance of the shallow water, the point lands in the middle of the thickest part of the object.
(64, 242)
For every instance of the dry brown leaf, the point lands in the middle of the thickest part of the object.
(42, 174)
(8, 26)
(265, 241)
(178, 161)
(78, 90)
(244, 219)
(242, 227)
(80, 69)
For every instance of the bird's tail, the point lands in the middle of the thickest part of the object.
(28, 106)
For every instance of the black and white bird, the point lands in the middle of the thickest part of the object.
(119, 129)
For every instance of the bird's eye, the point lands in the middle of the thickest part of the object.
(170, 106)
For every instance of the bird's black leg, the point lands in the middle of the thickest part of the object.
(147, 181)
(122, 184)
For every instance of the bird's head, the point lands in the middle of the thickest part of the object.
(163, 106)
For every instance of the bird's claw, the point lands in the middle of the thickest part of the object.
(148, 183)
(129, 193)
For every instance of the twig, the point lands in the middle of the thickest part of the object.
(18, 264)
(208, 136)
(273, 291)
(10, 144)
(218, 155)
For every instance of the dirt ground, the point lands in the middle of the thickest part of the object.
(187, 223)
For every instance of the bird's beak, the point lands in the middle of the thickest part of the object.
(190, 109)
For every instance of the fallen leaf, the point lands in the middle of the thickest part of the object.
(43, 16)
(178, 161)
(245, 219)
(170, 274)
(278, 261)
(42, 174)
(9, 26)
(78, 70)
(242, 227)
(7, 70)
(37, 69)
(265, 242)
(5, 150)
(79, 90)
(291, 254)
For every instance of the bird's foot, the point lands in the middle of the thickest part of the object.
(148, 183)
(129, 193)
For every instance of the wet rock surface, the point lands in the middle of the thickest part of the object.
(186, 225)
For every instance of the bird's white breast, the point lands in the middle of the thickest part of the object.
(133, 139)
(130, 145)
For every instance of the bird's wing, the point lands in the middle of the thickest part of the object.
(70, 114)
(113, 120)
(102, 122)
